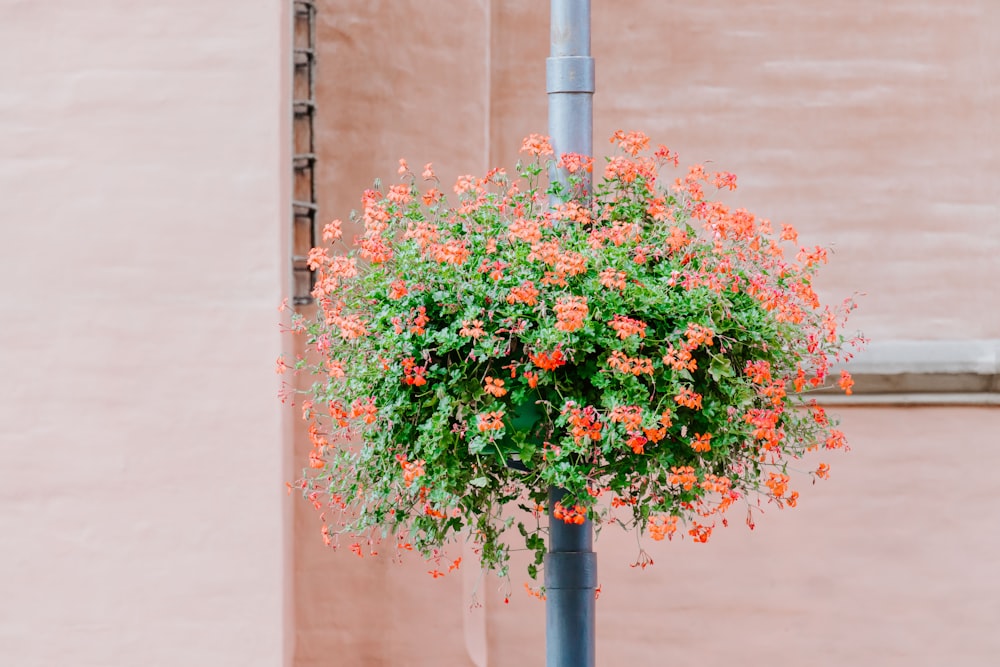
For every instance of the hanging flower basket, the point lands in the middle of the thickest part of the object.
(647, 350)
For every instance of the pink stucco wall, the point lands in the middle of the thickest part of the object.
(867, 125)
(144, 198)
(143, 229)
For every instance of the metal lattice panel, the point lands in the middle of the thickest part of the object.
(304, 208)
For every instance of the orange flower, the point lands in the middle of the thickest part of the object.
(699, 532)
(637, 442)
(529, 231)
(537, 145)
(836, 440)
(626, 326)
(724, 179)
(823, 471)
(631, 365)
(411, 469)
(759, 372)
(570, 312)
(632, 143)
(472, 329)
(788, 233)
(683, 476)
(431, 197)
(662, 526)
(698, 335)
(331, 230)
(574, 162)
(663, 154)
(585, 423)
(688, 399)
(494, 387)
(630, 416)
(491, 421)
(452, 252)
(575, 515)
(428, 174)
(548, 361)
(655, 434)
(464, 184)
(778, 483)
(419, 321)
(414, 375)
(316, 460)
(613, 279)
(397, 290)
(846, 382)
(701, 442)
(524, 293)
(317, 258)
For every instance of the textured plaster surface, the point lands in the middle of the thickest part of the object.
(143, 200)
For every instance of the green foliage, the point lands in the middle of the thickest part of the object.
(640, 347)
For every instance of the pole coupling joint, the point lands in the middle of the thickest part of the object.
(569, 74)
(570, 569)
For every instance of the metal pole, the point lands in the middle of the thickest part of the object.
(571, 564)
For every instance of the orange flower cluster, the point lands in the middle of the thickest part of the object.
(702, 442)
(688, 398)
(585, 423)
(419, 321)
(656, 434)
(491, 421)
(412, 374)
(452, 251)
(765, 423)
(548, 361)
(397, 290)
(613, 279)
(778, 483)
(632, 143)
(572, 211)
(683, 476)
(575, 515)
(699, 532)
(411, 469)
(570, 312)
(525, 293)
(494, 387)
(628, 415)
(698, 335)
(846, 382)
(529, 231)
(365, 409)
(660, 527)
(472, 329)
(574, 163)
(536, 145)
(623, 363)
(626, 326)
(759, 372)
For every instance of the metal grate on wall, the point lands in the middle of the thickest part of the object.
(304, 208)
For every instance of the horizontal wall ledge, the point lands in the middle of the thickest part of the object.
(924, 372)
